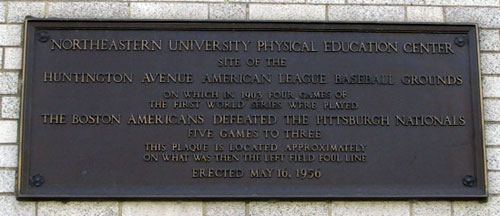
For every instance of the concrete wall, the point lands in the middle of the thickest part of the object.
(484, 12)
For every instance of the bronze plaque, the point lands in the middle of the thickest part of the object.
(247, 110)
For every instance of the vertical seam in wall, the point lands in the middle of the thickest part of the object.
(330, 210)
(20, 84)
(452, 207)
(247, 213)
(247, 12)
(203, 209)
(1, 98)
(3, 58)
(36, 208)
(444, 14)
(498, 36)
(6, 14)
(326, 13)
(406, 13)
(208, 8)
(46, 9)
(411, 208)
(120, 208)
(128, 10)
(327, 18)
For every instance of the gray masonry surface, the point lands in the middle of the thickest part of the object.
(484, 12)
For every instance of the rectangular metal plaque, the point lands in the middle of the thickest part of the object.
(227, 110)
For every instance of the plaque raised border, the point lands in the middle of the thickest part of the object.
(35, 30)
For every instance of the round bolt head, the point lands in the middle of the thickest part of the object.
(460, 41)
(43, 36)
(469, 181)
(37, 180)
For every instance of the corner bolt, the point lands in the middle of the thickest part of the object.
(460, 41)
(37, 180)
(43, 36)
(469, 181)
